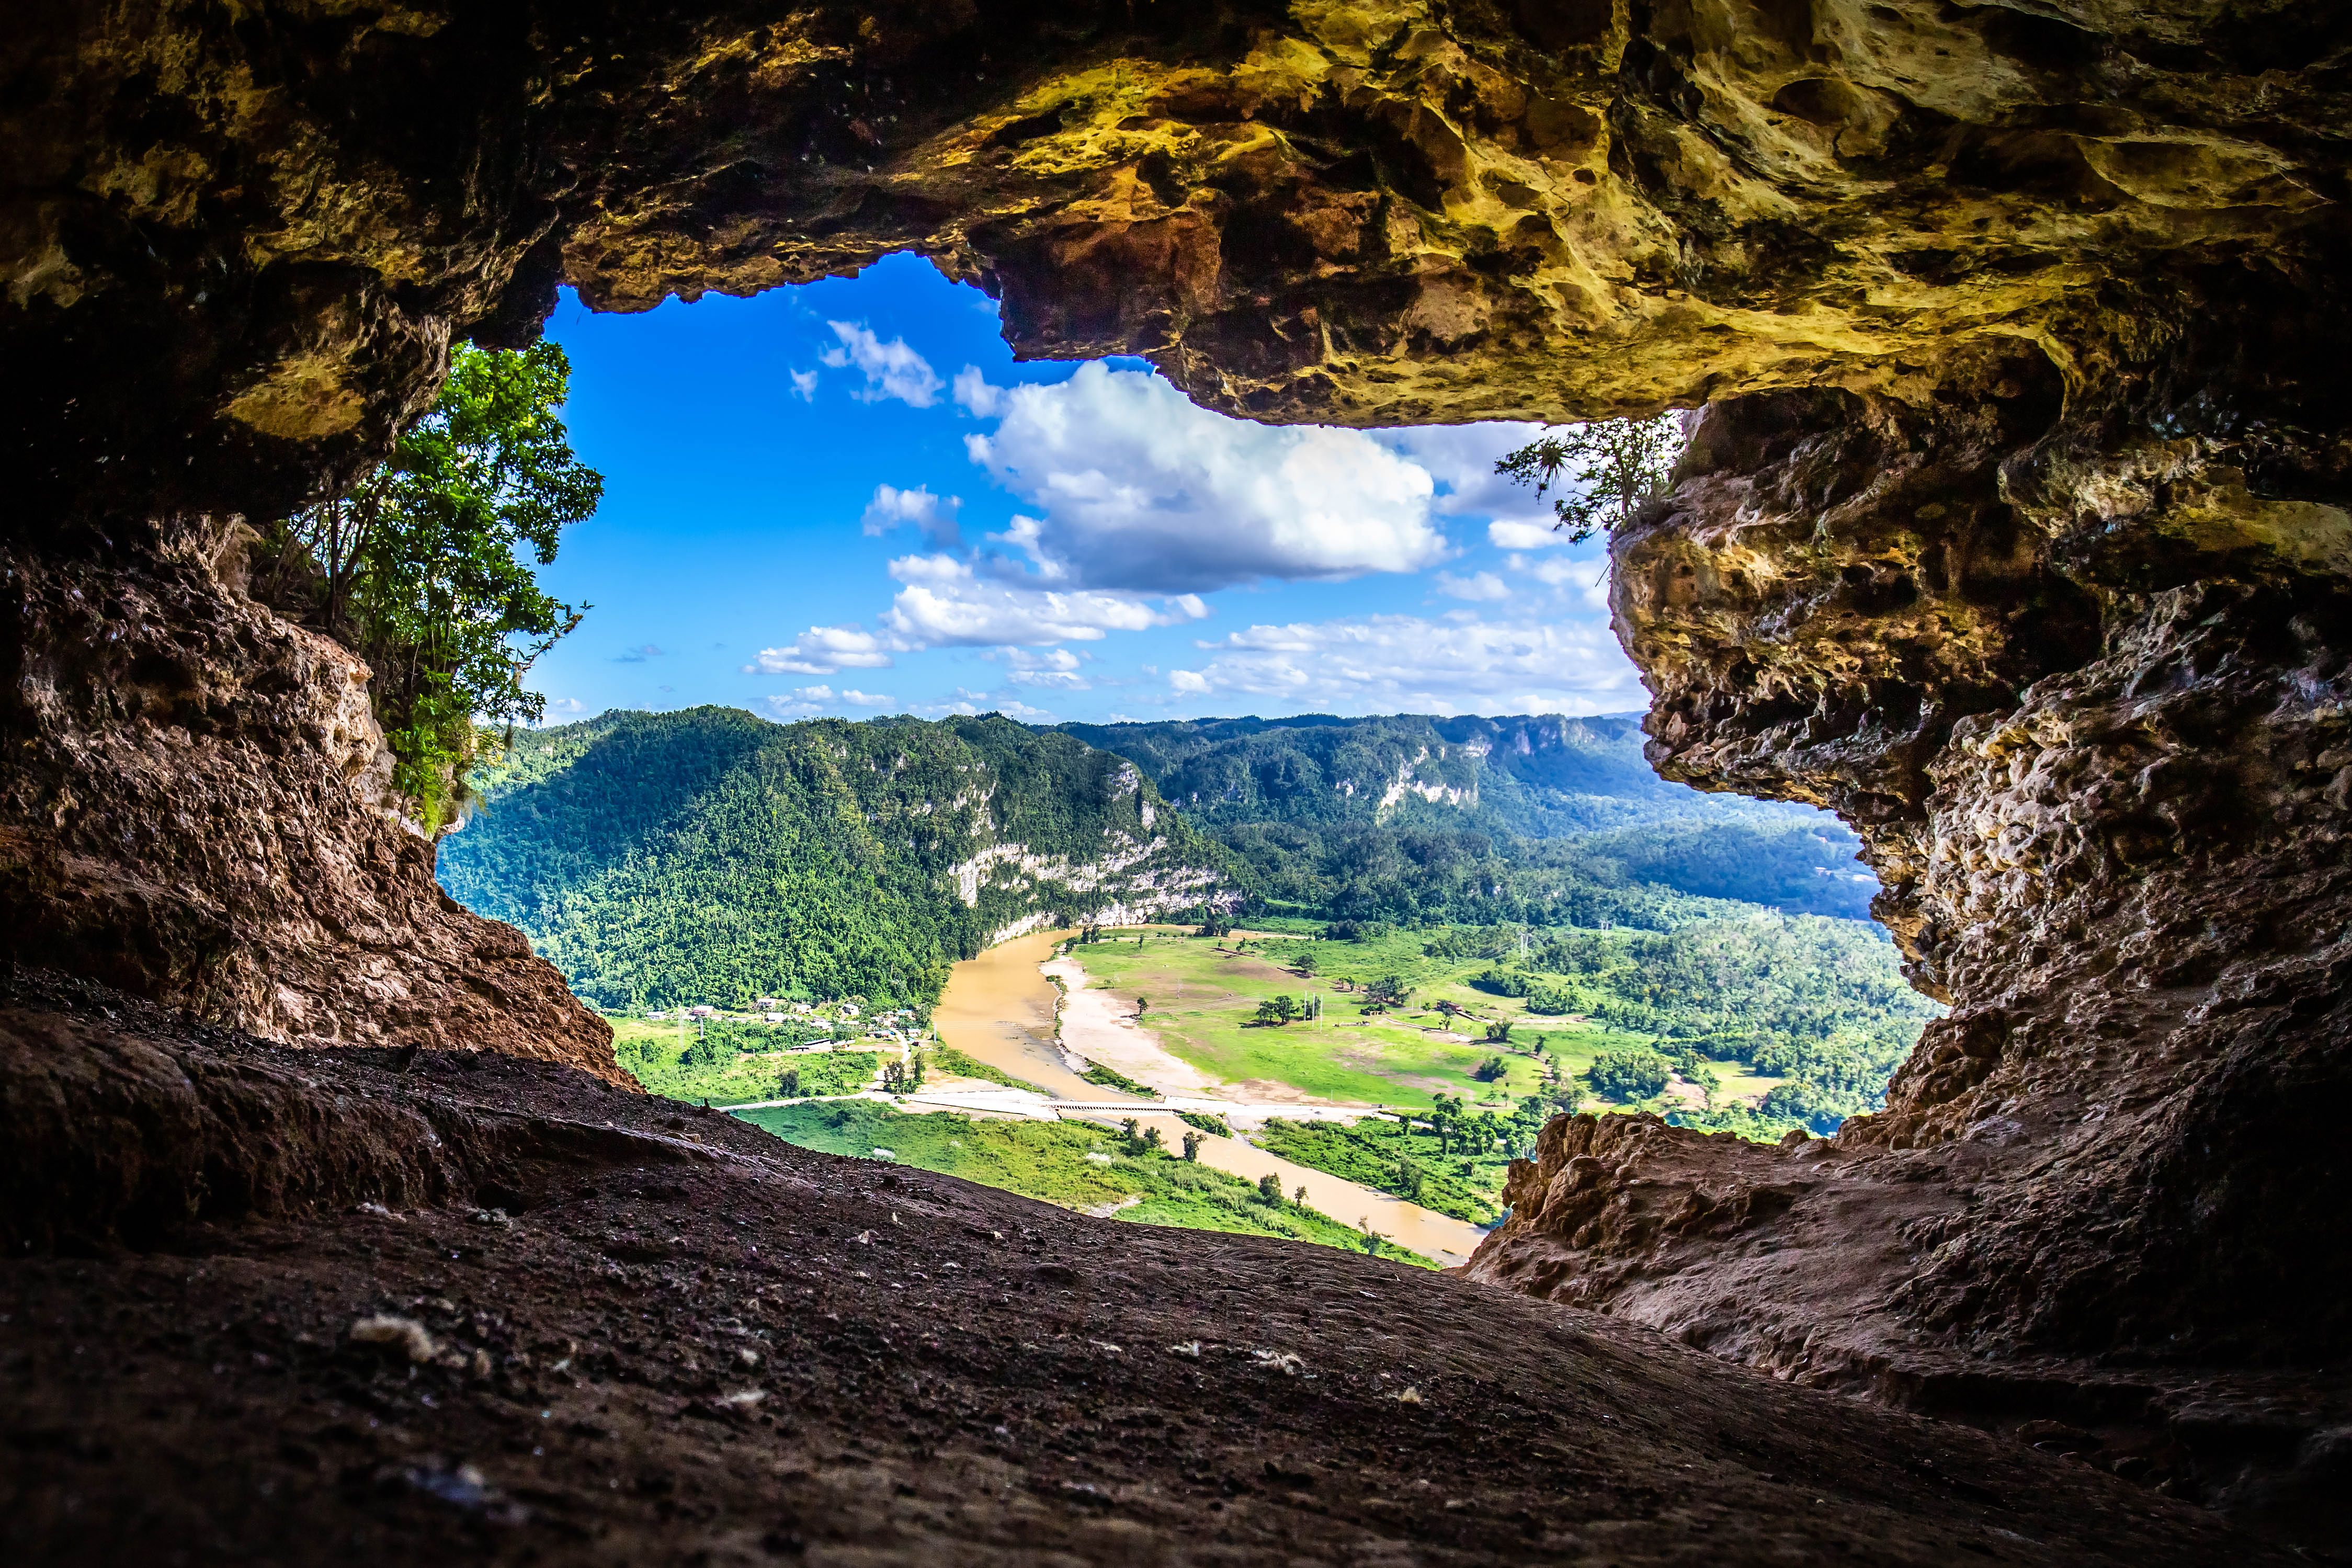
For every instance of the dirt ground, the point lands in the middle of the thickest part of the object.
(257, 1308)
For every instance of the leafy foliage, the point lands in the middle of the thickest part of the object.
(1097, 1073)
(1606, 470)
(728, 1063)
(1629, 1075)
(419, 568)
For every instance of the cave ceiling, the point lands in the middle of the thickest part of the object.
(236, 239)
(2015, 526)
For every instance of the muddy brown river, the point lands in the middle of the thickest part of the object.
(999, 1008)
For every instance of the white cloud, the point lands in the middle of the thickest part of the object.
(947, 601)
(1462, 458)
(894, 508)
(1584, 578)
(1482, 586)
(1518, 534)
(1139, 490)
(1054, 667)
(808, 701)
(972, 392)
(1389, 664)
(971, 704)
(804, 386)
(891, 369)
(821, 650)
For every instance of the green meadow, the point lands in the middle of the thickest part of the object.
(673, 1062)
(1204, 995)
(1075, 1165)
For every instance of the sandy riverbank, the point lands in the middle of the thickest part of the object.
(999, 1008)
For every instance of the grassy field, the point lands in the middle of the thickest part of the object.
(1203, 994)
(953, 1063)
(1075, 1165)
(650, 1053)
(1413, 1165)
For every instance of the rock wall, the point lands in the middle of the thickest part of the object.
(2079, 677)
(196, 808)
(2014, 529)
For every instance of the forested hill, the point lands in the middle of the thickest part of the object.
(1546, 819)
(1536, 777)
(710, 856)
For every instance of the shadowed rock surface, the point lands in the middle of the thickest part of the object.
(2086, 700)
(2015, 528)
(678, 1339)
(197, 807)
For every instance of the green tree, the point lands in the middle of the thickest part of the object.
(421, 569)
(1269, 1187)
(1499, 1032)
(1192, 1146)
(1614, 465)
(1446, 1120)
(1628, 1075)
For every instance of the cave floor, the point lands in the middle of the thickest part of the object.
(691, 1342)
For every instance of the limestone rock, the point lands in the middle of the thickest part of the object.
(2015, 527)
(197, 808)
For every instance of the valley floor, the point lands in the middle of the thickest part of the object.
(354, 1308)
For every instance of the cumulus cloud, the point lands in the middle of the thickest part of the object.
(1482, 586)
(808, 701)
(1461, 458)
(823, 650)
(1135, 489)
(1583, 578)
(637, 655)
(1052, 666)
(1520, 533)
(947, 601)
(1388, 664)
(972, 392)
(804, 386)
(891, 369)
(893, 508)
(971, 704)
(562, 708)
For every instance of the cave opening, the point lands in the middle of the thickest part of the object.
(2013, 528)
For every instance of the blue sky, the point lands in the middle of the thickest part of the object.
(847, 498)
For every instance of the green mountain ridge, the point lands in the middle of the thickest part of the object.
(1514, 818)
(709, 855)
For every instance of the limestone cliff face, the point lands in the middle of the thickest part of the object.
(2015, 528)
